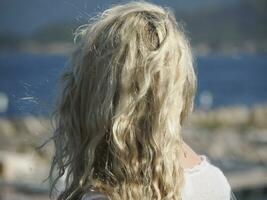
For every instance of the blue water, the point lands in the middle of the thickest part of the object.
(30, 81)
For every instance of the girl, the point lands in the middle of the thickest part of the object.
(128, 90)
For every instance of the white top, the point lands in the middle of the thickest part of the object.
(205, 182)
(202, 182)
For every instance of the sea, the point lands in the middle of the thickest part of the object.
(29, 82)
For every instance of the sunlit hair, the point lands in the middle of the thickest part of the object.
(129, 87)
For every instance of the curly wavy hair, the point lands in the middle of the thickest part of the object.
(129, 86)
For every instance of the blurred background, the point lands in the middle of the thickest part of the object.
(229, 124)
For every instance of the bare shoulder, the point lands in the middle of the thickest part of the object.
(189, 157)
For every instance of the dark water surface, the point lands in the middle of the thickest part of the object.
(29, 82)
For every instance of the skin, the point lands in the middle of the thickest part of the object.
(189, 158)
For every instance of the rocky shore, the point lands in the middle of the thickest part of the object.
(232, 133)
(234, 138)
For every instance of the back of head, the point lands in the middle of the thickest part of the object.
(128, 89)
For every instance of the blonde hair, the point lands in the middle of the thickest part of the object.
(129, 86)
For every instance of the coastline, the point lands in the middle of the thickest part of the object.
(234, 138)
(243, 125)
(199, 50)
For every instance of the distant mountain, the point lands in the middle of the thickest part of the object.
(212, 25)
(26, 16)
